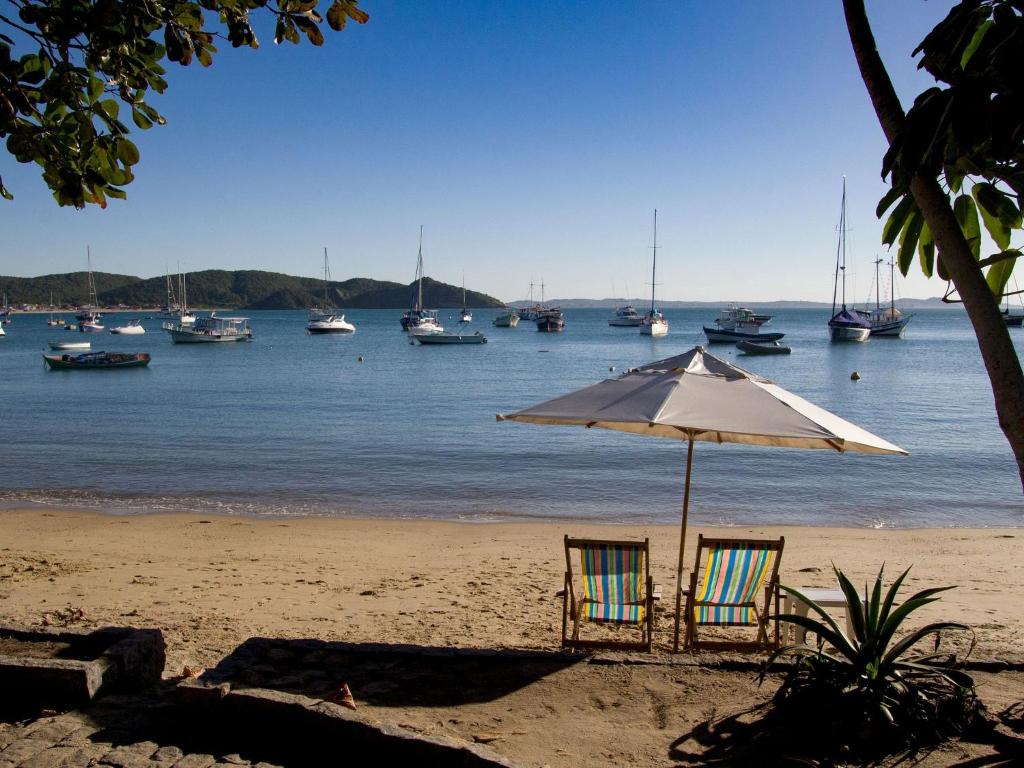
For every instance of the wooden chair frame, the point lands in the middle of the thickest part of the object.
(771, 596)
(572, 602)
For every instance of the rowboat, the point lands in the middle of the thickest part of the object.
(63, 346)
(97, 360)
(449, 338)
(763, 348)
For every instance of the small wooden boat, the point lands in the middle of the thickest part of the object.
(98, 360)
(449, 338)
(63, 346)
(763, 348)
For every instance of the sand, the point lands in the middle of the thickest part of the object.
(211, 582)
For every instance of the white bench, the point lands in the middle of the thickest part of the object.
(826, 598)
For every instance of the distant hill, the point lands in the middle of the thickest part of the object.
(932, 303)
(241, 289)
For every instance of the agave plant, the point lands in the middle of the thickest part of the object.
(873, 688)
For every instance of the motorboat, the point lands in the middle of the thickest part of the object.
(63, 346)
(625, 317)
(846, 324)
(763, 348)
(507, 319)
(654, 322)
(448, 338)
(98, 360)
(134, 328)
(89, 322)
(427, 324)
(210, 330)
(327, 320)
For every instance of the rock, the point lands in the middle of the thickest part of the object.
(486, 738)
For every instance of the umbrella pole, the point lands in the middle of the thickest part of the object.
(682, 544)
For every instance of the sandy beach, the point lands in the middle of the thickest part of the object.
(212, 582)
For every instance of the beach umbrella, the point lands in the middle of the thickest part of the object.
(696, 396)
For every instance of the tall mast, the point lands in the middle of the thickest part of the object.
(419, 274)
(326, 273)
(654, 259)
(878, 286)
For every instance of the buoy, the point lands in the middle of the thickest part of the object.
(854, 376)
(611, 367)
(360, 358)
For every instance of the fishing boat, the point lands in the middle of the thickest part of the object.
(550, 320)
(530, 312)
(886, 321)
(210, 330)
(763, 348)
(134, 328)
(323, 319)
(448, 338)
(654, 323)
(507, 319)
(626, 317)
(63, 346)
(846, 324)
(734, 313)
(417, 316)
(98, 360)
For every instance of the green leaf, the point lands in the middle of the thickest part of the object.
(141, 120)
(886, 202)
(110, 108)
(897, 219)
(997, 211)
(908, 240)
(972, 47)
(4, 193)
(127, 152)
(310, 29)
(926, 251)
(95, 88)
(998, 275)
(966, 213)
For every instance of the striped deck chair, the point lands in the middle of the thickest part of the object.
(726, 593)
(614, 587)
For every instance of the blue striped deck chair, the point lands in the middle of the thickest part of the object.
(723, 591)
(607, 582)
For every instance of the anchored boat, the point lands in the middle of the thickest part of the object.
(98, 360)
(448, 338)
(213, 329)
(846, 324)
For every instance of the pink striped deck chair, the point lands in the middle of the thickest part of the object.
(724, 592)
(614, 586)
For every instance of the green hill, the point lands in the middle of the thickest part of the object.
(242, 289)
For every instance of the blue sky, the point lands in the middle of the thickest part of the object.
(531, 139)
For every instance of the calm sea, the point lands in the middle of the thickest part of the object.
(292, 424)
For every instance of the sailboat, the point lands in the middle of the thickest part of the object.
(1011, 319)
(886, 321)
(174, 311)
(58, 321)
(88, 317)
(654, 323)
(548, 319)
(466, 316)
(5, 313)
(325, 320)
(418, 319)
(845, 325)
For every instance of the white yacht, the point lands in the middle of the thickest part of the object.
(325, 320)
(626, 317)
(134, 328)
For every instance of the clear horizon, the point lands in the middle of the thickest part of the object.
(532, 141)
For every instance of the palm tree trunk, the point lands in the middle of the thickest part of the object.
(997, 351)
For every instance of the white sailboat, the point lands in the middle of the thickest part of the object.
(326, 320)
(654, 323)
(886, 321)
(846, 324)
(418, 319)
(54, 321)
(466, 316)
(88, 316)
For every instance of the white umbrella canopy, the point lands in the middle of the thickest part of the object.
(697, 396)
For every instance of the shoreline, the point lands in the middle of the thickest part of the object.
(210, 582)
(112, 508)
